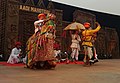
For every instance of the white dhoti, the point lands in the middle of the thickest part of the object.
(75, 49)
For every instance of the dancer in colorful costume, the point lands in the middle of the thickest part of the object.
(40, 51)
(87, 42)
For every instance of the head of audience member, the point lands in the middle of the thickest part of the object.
(18, 45)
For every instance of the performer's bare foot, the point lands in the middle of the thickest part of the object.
(67, 62)
(25, 66)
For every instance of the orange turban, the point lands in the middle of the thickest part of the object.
(87, 25)
(41, 15)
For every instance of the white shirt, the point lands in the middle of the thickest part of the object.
(39, 23)
(15, 52)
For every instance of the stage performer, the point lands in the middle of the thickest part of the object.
(40, 51)
(94, 49)
(87, 42)
(15, 54)
(75, 46)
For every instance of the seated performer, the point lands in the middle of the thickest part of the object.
(87, 42)
(15, 54)
(40, 51)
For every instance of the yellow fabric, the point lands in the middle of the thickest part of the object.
(46, 27)
(87, 36)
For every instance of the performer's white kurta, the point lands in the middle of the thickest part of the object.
(14, 56)
(75, 46)
(75, 41)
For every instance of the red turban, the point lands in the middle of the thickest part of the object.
(18, 43)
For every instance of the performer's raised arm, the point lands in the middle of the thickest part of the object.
(39, 23)
(97, 29)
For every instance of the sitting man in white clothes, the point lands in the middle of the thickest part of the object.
(15, 54)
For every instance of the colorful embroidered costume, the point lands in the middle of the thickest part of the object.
(40, 49)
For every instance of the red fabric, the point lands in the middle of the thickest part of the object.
(63, 34)
(79, 62)
(21, 64)
(7, 64)
(56, 46)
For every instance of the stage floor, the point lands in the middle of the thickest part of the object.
(105, 71)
